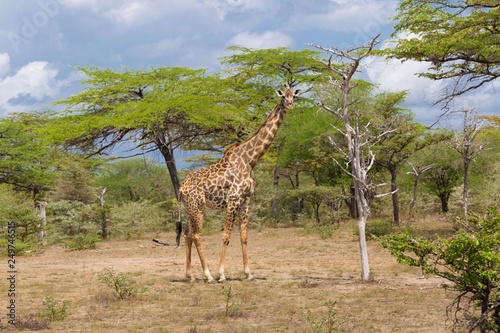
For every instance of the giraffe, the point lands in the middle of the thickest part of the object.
(228, 184)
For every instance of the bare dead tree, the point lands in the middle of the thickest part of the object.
(343, 64)
(465, 144)
(41, 213)
(104, 221)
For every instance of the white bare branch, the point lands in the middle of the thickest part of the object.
(385, 194)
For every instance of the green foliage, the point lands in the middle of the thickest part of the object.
(24, 158)
(329, 323)
(122, 283)
(73, 179)
(82, 242)
(17, 208)
(323, 231)
(459, 38)
(230, 301)
(470, 261)
(377, 228)
(444, 176)
(146, 108)
(53, 312)
(72, 217)
(21, 247)
(316, 195)
(273, 67)
(134, 219)
(134, 179)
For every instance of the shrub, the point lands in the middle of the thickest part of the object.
(470, 261)
(133, 219)
(82, 242)
(52, 312)
(328, 323)
(122, 283)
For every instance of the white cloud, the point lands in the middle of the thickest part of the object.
(4, 63)
(267, 39)
(394, 75)
(37, 80)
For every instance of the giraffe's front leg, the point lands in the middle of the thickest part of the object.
(243, 236)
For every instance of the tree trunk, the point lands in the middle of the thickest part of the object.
(364, 212)
(359, 181)
(42, 234)
(444, 202)
(316, 213)
(168, 155)
(104, 221)
(352, 204)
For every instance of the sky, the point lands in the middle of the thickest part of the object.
(41, 42)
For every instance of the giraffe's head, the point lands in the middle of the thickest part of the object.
(287, 95)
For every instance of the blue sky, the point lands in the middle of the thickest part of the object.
(41, 41)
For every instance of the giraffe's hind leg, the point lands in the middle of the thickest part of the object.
(189, 243)
(206, 271)
(193, 234)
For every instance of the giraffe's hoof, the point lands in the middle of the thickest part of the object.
(251, 279)
(212, 281)
(222, 280)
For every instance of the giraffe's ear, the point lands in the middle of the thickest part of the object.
(297, 93)
(279, 93)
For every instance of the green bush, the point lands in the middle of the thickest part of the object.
(328, 323)
(122, 283)
(82, 242)
(377, 228)
(72, 218)
(52, 312)
(133, 219)
(20, 247)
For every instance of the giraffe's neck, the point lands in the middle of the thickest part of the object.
(252, 149)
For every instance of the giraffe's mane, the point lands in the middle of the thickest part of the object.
(230, 149)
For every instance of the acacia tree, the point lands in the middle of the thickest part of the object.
(458, 38)
(25, 161)
(160, 109)
(358, 137)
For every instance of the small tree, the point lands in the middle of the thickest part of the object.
(470, 261)
(445, 175)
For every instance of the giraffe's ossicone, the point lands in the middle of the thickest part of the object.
(228, 184)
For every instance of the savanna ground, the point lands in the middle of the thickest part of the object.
(296, 272)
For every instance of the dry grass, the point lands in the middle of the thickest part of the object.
(296, 272)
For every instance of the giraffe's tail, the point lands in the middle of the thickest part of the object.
(178, 225)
